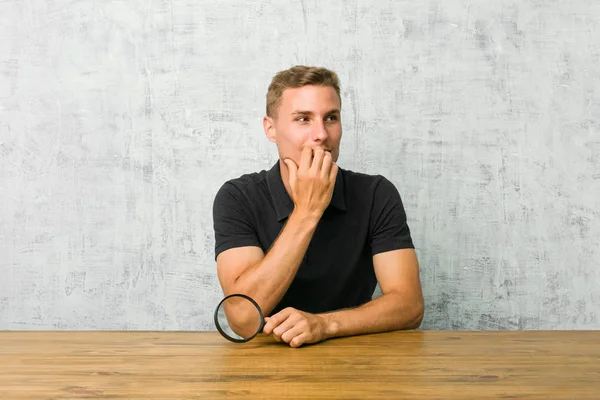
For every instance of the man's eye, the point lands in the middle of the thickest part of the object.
(332, 118)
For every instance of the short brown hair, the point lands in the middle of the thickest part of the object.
(298, 76)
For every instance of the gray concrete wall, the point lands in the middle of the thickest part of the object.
(120, 120)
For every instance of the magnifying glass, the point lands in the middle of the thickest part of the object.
(238, 318)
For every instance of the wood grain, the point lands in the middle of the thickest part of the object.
(412, 364)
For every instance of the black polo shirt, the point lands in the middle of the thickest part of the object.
(365, 217)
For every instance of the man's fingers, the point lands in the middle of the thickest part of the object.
(291, 333)
(326, 165)
(292, 167)
(317, 161)
(274, 321)
(299, 340)
(306, 159)
(285, 325)
(270, 325)
(333, 173)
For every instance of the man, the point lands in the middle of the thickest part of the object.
(309, 241)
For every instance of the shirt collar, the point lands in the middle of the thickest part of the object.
(283, 202)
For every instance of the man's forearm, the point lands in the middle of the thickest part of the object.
(267, 281)
(386, 313)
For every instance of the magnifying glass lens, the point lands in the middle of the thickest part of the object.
(238, 318)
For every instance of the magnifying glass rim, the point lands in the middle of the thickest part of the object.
(216, 317)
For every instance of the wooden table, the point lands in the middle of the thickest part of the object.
(412, 364)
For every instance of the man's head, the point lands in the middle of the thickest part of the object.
(304, 109)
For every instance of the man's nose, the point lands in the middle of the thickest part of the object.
(319, 133)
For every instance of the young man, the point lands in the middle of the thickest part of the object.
(309, 241)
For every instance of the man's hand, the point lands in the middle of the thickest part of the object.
(312, 182)
(296, 327)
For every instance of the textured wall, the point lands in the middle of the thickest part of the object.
(120, 120)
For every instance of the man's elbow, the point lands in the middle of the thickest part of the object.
(417, 311)
(410, 311)
(245, 325)
(418, 316)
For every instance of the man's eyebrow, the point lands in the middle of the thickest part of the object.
(302, 112)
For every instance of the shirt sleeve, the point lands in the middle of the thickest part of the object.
(389, 227)
(232, 221)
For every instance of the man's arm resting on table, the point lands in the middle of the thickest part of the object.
(399, 307)
(266, 278)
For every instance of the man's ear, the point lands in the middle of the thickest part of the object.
(269, 128)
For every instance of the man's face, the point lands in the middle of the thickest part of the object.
(307, 116)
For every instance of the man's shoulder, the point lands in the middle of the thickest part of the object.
(360, 176)
(248, 179)
(246, 184)
(363, 182)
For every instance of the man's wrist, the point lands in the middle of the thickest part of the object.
(305, 218)
(331, 325)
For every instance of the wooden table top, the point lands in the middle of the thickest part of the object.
(408, 364)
